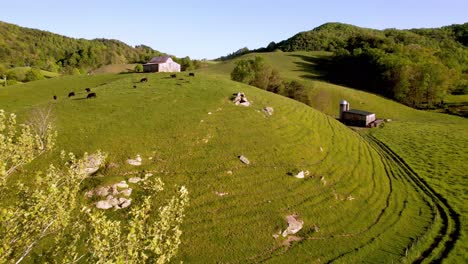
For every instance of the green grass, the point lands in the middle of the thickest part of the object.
(456, 98)
(168, 119)
(433, 144)
(115, 68)
(21, 71)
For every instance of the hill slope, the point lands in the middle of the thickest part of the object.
(432, 144)
(355, 198)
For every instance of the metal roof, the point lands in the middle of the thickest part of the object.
(358, 112)
(157, 60)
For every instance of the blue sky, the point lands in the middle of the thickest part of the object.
(209, 29)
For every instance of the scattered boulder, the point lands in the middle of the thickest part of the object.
(103, 205)
(294, 225)
(113, 196)
(209, 113)
(350, 198)
(126, 203)
(268, 110)
(92, 164)
(244, 160)
(300, 175)
(112, 200)
(221, 193)
(149, 174)
(321, 149)
(229, 172)
(102, 191)
(135, 162)
(122, 184)
(240, 99)
(135, 180)
(127, 192)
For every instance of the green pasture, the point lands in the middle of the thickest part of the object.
(432, 144)
(358, 205)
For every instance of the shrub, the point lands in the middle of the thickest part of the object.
(138, 68)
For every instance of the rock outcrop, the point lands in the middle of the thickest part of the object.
(294, 225)
(268, 110)
(240, 99)
(135, 162)
(244, 160)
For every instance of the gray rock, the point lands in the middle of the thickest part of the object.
(114, 190)
(103, 205)
(244, 160)
(268, 110)
(101, 191)
(127, 192)
(122, 185)
(135, 162)
(300, 175)
(92, 164)
(240, 99)
(294, 225)
(134, 180)
(126, 203)
(114, 202)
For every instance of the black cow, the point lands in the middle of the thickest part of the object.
(191, 74)
(55, 97)
(91, 95)
(173, 76)
(134, 86)
(144, 80)
(70, 94)
(88, 90)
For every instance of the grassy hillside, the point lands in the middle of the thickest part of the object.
(357, 204)
(115, 68)
(432, 144)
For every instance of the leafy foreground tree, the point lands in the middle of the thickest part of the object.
(39, 219)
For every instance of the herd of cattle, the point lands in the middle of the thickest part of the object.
(93, 95)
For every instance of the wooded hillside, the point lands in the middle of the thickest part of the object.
(40, 49)
(417, 67)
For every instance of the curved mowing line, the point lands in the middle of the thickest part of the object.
(269, 254)
(446, 212)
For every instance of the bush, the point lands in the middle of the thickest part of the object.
(33, 75)
(295, 90)
(138, 68)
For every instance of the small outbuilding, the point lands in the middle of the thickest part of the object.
(354, 117)
(161, 64)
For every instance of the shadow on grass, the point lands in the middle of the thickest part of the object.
(350, 74)
(317, 67)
